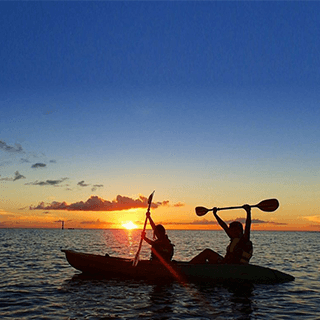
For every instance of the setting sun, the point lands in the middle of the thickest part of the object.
(129, 225)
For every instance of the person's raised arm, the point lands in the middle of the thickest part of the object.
(151, 221)
(223, 225)
(152, 224)
(248, 221)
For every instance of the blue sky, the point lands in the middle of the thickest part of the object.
(209, 103)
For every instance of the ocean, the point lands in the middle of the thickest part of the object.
(36, 281)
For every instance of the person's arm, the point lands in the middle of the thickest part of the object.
(248, 221)
(223, 225)
(152, 224)
(147, 240)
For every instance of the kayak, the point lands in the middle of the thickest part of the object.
(113, 267)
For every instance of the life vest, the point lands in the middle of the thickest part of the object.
(239, 251)
(162, 247)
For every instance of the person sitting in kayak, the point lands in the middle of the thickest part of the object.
(239, 251)
(161, 248)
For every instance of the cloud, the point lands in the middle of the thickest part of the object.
(204, 222)
(95, 203)
(256, 221)
(17, 176)
(47, 182)
(82, 184)
(96, 186)
(6, 179)
(315, 218)
(5, 214)
(166, 203)
(179, 204)
(242, 220)
(38, 165)
(96, 223)
(16, 149)
(212, 222)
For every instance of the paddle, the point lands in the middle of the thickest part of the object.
(265, 205)
(136, 258)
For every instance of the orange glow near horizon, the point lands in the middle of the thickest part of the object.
(280, 221)
(129, 225)
(50, 225)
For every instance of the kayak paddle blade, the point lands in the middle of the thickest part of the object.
(201, 211)
(150, 200)
(268, 205)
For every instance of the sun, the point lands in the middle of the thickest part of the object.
(129, 225)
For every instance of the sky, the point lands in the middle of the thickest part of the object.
(209, 103)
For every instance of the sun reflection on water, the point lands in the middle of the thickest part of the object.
(123, 242)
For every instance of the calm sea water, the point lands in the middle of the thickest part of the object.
(36, 282)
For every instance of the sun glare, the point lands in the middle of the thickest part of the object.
(129, 225)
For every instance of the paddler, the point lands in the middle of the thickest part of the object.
(161, 247)
(239, 251)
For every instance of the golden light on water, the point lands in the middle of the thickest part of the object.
(129, 225)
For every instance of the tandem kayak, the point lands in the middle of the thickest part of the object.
(111, 267)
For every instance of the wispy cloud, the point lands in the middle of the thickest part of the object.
(213, 222)
(38, 165)
(256, 221)
(95, 203)
(17, 176)
(179, 204)
(96, 223)
(5, 214)
(96, 186)
(47, 182)
(204, 222)
(82, 184)
(6, 179)
(314, 218)
(12, 149)
(166, 203)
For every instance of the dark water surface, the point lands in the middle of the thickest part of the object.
(36, 282)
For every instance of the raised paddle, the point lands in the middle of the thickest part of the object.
(265, 205)
(136, 258)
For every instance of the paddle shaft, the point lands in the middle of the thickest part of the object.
(136, 258)
(237, 207)
(230, 208)
(268, 205)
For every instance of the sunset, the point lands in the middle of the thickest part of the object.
(119, 118)
(129, 225)
(86, 138)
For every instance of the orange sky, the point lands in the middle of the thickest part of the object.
(173, 216)
(208, 114)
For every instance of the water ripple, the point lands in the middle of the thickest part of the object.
(37, 282)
